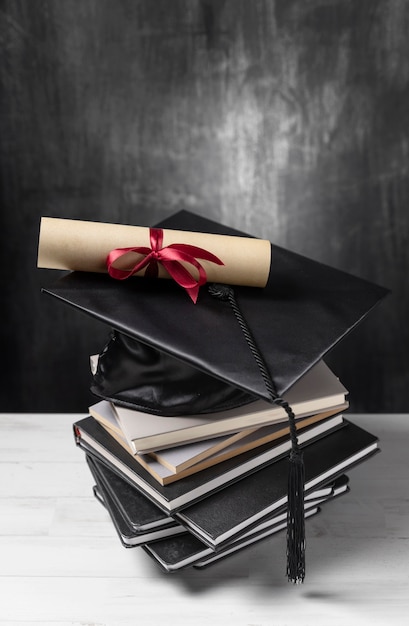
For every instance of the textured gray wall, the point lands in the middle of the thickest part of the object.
(286, 119)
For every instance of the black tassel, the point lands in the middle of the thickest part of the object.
(295, 506)
(295, 520)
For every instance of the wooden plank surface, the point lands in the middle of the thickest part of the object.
(62, 564)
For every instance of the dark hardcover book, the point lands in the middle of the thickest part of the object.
(126, 533)
(140, 513)
(98, 494)
(223, 515)
(339, 488)
(175, 553)
(95, 440)
(179, 552)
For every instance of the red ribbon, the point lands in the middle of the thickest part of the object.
(170, 257)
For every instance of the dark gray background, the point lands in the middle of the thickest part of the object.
(287, 120)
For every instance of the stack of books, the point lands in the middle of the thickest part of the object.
(193, 489)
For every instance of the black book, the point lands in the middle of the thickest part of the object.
(130, 511)
(177, 549)
(128, 536)
(139, 512)
(179, 552)
(223, 515)
(95, 440)
(339, 488)
(333, 489)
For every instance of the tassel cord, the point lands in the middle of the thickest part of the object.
(224, 292)
(295, 508)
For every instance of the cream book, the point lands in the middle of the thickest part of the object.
(317, 391)
(180, 458)
(187, 461)
(267, 440)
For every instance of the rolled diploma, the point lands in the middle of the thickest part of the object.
(79, 245)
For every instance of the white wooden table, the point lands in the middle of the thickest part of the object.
(61, 562)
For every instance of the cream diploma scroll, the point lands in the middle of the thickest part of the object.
(79, 245)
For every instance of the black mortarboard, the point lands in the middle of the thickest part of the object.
(240, 343)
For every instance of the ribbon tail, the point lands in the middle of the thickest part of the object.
(151, 269)
(193, 293)
(183, 278)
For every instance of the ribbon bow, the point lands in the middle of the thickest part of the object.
(170, 257)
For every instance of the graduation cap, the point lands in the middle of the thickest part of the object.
(237, 344)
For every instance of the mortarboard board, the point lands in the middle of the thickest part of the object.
(243, 343)
(303, 312)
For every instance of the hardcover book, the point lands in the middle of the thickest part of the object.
(138, 516)
(340, 487)
(139, 512)
(128, 534)
(222, 515)
(185, 550)
(174, 553)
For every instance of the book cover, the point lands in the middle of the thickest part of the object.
(182, 551)
(222, 515)
(140, 513)
(251, 539)
(104, 413)
(340, 487)
(176, 553)
(128, 535)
